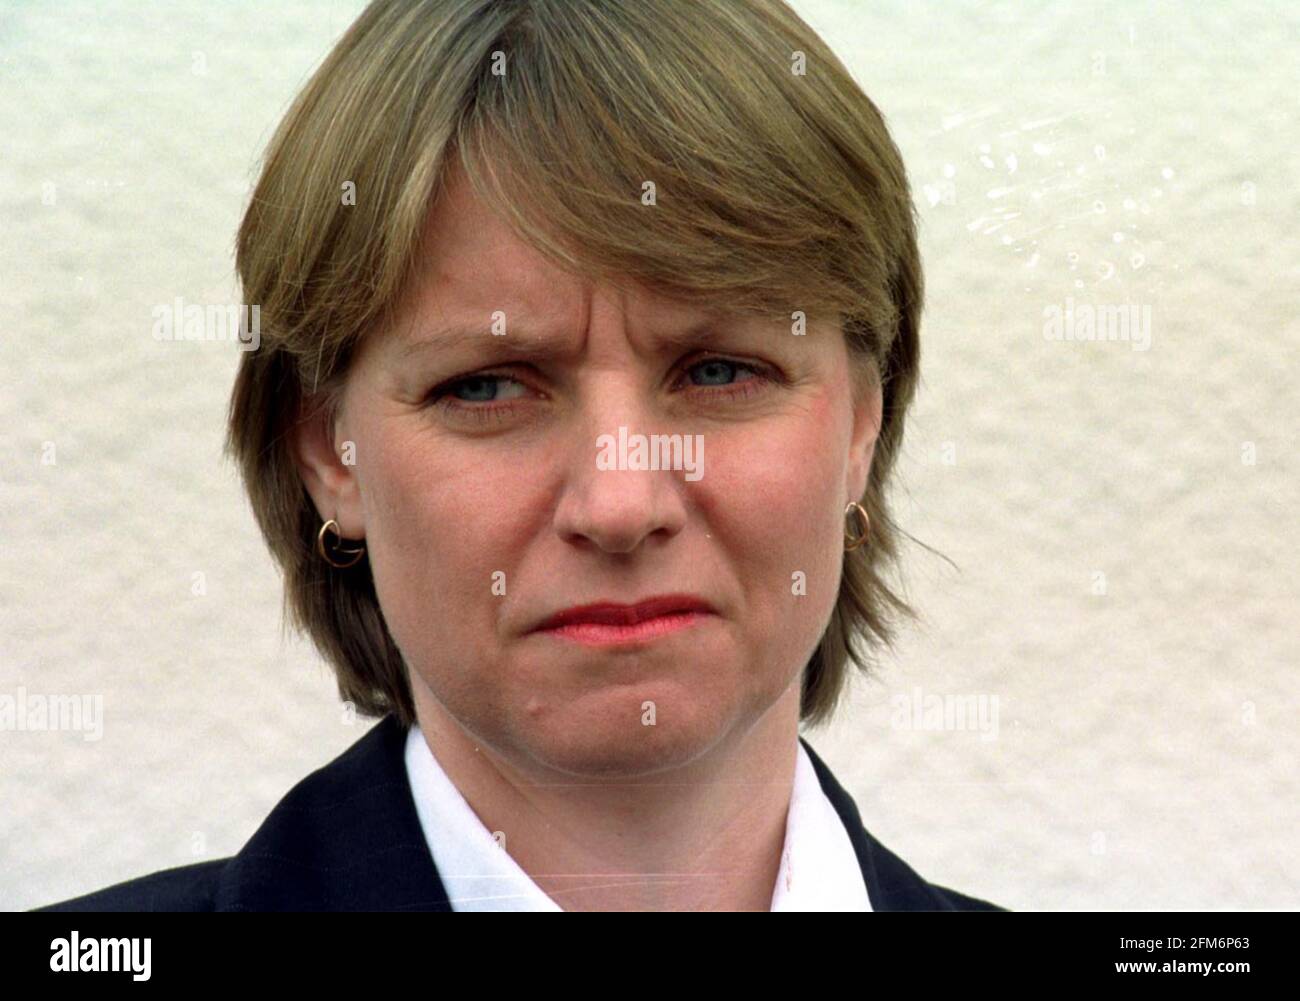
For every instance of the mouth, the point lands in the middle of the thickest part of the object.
(609, 623)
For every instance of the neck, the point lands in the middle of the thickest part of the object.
(706, 836)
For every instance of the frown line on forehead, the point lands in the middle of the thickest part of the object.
(522, 341)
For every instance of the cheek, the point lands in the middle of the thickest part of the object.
(775, 497)
(401, 547)
(439, 529)
(781, 484)
(400, 501)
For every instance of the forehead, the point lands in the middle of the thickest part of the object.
(469, 248)
(474, 264)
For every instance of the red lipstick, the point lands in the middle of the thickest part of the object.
(608, 622)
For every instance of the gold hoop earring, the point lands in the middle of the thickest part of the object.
(356, 553)
(851, 542)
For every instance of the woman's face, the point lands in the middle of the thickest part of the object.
(475, 482)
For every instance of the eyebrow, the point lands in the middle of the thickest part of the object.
(519, 343)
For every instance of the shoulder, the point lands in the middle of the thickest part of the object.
(902, 888)
(345, 837)
(185, 888)
(892, 884)
(962, 902)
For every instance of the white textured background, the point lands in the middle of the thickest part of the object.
(1146, 748)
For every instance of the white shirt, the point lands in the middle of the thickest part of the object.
(819, 869)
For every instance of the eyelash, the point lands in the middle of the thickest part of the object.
(488, 412)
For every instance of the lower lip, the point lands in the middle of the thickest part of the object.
(603, 634)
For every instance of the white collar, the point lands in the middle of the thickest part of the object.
(819, 868)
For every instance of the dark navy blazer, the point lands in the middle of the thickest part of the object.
(347, 838)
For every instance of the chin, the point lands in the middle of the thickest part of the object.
(605, 737)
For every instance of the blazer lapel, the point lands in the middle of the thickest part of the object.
(892, 885)
(345, 838)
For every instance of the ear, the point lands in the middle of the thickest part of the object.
(327, 466)
(867, 413)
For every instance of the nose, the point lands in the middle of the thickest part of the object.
(616, 510)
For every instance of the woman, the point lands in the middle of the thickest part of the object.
(587, 334)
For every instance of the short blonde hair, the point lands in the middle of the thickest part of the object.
(777, 189)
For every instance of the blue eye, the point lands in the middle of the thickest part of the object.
(480, 388)
(479, 396)
(720, 368)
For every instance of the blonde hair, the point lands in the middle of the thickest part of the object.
(777, 188)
